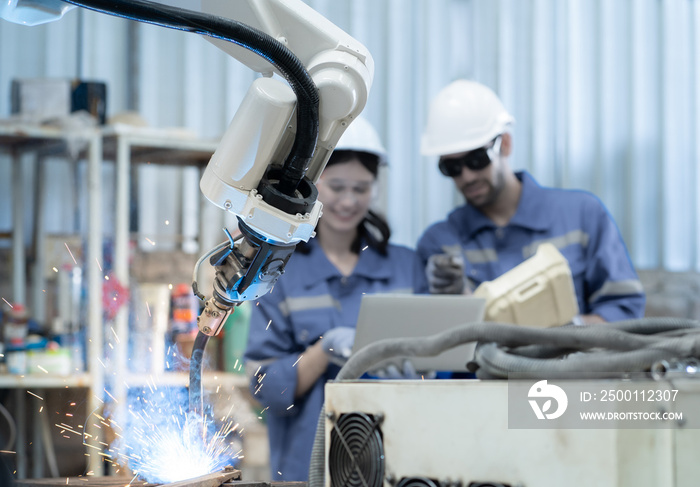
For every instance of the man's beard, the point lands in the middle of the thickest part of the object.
(494, 191)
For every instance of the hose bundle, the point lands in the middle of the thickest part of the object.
(572, 352)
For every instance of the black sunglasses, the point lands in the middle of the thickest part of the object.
(474, 160)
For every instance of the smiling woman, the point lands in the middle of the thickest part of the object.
(303, 331)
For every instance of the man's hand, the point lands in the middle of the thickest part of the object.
(445, 274)
(337, 343)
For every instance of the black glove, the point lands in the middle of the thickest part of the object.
(445, 274)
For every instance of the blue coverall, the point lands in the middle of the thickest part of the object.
(576, 222)
(309, 299)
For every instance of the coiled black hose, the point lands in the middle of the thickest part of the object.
(196, 396)
(250, 38)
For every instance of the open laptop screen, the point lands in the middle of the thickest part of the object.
(385, 316)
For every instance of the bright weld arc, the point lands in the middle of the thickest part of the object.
(165, 437)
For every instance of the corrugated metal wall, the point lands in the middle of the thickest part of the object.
(606, 94)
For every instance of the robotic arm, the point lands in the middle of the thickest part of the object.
(279, 140)
(247, 173)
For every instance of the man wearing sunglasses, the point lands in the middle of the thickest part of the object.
(507, 214)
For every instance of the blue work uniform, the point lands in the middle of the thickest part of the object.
(309, 299)
(576, 222)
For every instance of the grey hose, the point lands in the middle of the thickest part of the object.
(621, 347)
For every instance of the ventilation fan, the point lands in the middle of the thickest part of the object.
(356, 453)
(418, 482)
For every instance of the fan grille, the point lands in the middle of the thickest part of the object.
(356, 454)
(418, 482)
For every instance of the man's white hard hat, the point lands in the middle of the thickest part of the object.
(464, 116)
(361, 136)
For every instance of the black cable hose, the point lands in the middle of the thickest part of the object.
(250, 38)
(196, 396)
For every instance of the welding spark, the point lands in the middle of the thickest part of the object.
(71, 253)
(150, 241)
(39, 397)
(63, 428)
(163, 442)
(8, 303)
(116, 337)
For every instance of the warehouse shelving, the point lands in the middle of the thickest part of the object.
(16, 140)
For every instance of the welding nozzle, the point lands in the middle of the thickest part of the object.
(213, 316)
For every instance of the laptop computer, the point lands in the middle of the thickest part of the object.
(385, 316)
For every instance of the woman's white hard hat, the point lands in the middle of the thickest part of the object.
(464, 116)
(361, 136)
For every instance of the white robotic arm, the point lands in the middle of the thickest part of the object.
(277, 144)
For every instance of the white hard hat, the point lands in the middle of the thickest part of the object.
(464, 116)
(361, 136)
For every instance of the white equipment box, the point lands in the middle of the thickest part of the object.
(455, 433)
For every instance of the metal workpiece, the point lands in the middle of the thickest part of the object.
(216, 479)
(229, 477)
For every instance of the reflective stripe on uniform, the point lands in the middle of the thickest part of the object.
(405, 290)
(481, 256)
(290, 305)
(617, 288)
(573, 237)
(474, 256)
